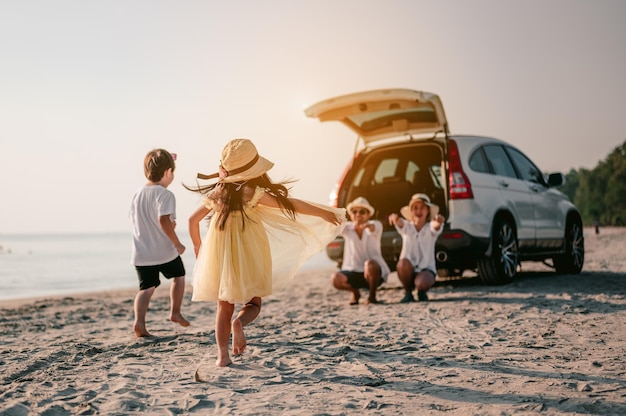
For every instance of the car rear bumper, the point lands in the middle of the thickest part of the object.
(456, 249)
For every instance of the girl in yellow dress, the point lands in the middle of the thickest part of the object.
(257, 239)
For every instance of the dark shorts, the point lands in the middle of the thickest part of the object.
(415, 272)
(357, 279)
(149, 275)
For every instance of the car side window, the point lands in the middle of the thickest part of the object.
(478, 163)
(499, 161)
(411, 169)
(386, 169)
(526, 168)
(436, 175)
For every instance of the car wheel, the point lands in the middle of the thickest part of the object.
(571, 262)
(501, 266)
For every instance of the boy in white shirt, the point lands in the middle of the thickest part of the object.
(156, 247)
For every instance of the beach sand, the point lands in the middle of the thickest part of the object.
(545, 344)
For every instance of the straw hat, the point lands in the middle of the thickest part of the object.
(240, 162)
(361, 203)
(423, 198)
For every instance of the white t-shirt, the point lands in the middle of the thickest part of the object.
(150, 244)
(419, 246)
(356, 251)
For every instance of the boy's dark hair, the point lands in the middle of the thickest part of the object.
(155, 164)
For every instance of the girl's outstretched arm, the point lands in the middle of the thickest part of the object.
(194, 227)
(302, 207)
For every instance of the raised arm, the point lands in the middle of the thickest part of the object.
(395, 219)
(438, 221)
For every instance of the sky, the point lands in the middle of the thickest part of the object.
(87, 88)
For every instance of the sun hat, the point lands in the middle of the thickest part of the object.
(361, 203)
(406, 211)
(240, 162)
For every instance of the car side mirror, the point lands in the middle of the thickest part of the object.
(556, 179)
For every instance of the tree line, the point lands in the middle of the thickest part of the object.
(600, 193)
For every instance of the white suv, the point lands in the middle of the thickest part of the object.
(500, 208)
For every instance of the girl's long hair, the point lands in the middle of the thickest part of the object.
(230, 196)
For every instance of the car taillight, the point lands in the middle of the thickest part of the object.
(460, 187)
(334, 244)
(451, 236)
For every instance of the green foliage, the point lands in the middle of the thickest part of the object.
(572, 180)
(600, 193)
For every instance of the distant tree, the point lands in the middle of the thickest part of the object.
(600, 194)
(571, 184)
(615, 196)
(587, 198)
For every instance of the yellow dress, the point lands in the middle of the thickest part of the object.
(239, 263)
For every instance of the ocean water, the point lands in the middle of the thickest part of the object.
(65, 264)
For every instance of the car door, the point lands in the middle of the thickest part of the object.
(548, 222)
(515, 193)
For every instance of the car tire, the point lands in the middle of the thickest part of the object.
(501, 266)
(571, 262)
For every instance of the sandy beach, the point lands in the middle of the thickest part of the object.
(545, 344)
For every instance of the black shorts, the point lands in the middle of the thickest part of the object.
(357, 279)
(415, 272)
(149, 275)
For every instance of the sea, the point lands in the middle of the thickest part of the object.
(65, 264)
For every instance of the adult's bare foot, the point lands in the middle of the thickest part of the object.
(239, 338)
(178, 318)
(354, 299)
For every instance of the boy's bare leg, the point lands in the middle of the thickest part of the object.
(177, 292)
(246, 315)
(340, 281)
(142, 301)
(222, 332)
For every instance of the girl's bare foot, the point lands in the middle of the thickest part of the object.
(223, 360)
(223, 363)
(178, 318)
(239, 338)
(141, 331)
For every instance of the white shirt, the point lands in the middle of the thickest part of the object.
(150, 244)
(356, 251)
(419, 246)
